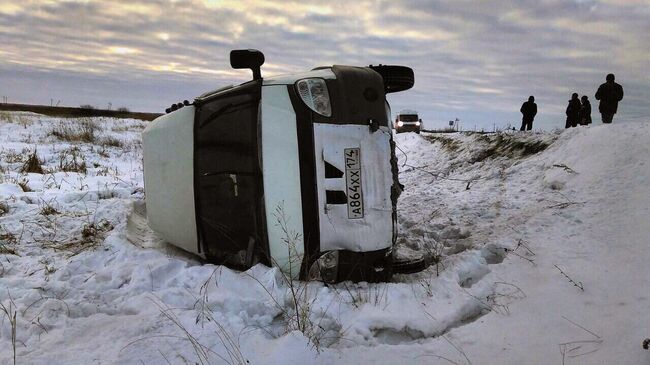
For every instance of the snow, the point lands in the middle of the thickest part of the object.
(577, 200)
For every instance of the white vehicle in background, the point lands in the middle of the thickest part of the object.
(293, 171)
(407, 121)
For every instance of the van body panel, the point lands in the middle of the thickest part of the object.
(281, 175)
(168, 150)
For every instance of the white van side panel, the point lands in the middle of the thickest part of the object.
(281, 170)
(374, 230)
(168, 147)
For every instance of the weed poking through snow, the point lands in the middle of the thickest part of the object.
(110, 142)
(577, 284)
(6, 116)
(204, 354)
(76, 130)
(4, 208)
(297, 308)
(47, 208)
(10, 312)
(6, 236)
(90, 236)
(573, 349)
(71, 160)
(32, 165)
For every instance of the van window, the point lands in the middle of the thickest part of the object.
(228, 178)
(408, 117)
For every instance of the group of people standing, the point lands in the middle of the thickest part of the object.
(578, 112)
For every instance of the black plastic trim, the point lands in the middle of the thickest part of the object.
(370, 266)
(332, 172)
(336, 197)
(195, 180)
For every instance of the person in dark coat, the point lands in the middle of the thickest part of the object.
(609, 94)
(573, 111)
(529, 110)
(585, 111)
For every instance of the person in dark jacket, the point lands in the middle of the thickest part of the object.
(529, 110)
(585, 111)
(609, 94)
(573, 111)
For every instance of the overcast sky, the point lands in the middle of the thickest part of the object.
(473, 60)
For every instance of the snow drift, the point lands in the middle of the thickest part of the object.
(538, 244)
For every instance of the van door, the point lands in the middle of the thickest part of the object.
(354, 184)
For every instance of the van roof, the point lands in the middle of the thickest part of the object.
(408, 111)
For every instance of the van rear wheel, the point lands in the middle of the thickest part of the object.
(396, 78)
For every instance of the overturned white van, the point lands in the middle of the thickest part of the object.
(294, 171)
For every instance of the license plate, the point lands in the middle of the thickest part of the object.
(353, 182)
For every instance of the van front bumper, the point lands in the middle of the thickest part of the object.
(408, 128)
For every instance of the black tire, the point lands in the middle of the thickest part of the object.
(396, 78)
(409, 267)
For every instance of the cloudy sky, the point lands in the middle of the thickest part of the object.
(473, 60)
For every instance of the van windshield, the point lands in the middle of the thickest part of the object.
(408, 117)
(228, 176)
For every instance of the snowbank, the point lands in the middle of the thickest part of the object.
(512, 223)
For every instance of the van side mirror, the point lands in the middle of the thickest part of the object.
(247, 58)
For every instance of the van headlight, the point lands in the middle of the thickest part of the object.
(417, 124)
(400, 124)
(315, 95)
(325, 268)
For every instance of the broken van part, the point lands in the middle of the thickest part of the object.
(295, 171)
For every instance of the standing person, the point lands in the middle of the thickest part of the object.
(573, 111)
(529, 110)
(585, 111)
(609, 94)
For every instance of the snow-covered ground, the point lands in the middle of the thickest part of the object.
(542, 244)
